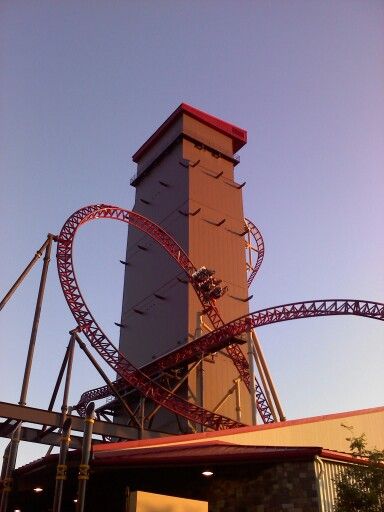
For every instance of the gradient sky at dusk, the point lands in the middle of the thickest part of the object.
(83, 84)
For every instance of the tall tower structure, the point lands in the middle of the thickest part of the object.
(185, 182)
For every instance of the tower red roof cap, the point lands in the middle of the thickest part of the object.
(238, 135)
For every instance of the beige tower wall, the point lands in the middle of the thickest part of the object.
(188, 166)
(222, 249)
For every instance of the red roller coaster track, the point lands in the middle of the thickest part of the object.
(222, 336)
(86, 322)
(258, 239)
(151, 368)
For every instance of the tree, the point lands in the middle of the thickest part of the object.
(360, 487)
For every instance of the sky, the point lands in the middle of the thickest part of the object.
(84, 84)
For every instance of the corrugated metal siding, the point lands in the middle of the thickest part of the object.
(327, 473)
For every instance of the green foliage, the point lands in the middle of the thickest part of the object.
(360, 488)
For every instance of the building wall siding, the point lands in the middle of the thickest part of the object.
(284, 487)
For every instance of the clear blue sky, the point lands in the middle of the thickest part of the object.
(83, 84)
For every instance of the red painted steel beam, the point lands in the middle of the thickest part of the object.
(216, 340)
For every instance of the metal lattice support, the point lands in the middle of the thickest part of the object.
(254, 243)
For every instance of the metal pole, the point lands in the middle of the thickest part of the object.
(59, 379)
(142, 413)
(85, 454)
(108, 381)
(266, 391)
(71, 350)
(35, 325)
(7, 481)
(252, 390)
(5, 460)
(57, 385)
(24, 274)
(28, 365)
(199, 369)
(237, 395)
(268, 376)
(61, 470)
(68, 358)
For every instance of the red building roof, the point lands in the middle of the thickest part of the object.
(238, 135)
(204, 452)
(201, 436)
(177, 449)
(189, 454)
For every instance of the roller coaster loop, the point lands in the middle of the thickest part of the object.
(222, 336)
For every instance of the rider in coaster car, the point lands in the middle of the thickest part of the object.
(218, 292)
(202, 274)
(205, 282)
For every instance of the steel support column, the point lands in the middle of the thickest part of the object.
(27, 373)
(252, 387)
(36, 320)
(264, 383)
(238, 396)
(267, 374)
(85, 454)
(71, 350)
(61, 470)
(199, 370)
(5, 461)
(23, 275)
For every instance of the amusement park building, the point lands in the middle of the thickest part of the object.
(267, 468)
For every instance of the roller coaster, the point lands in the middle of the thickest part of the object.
(149, 382)
(223, 336)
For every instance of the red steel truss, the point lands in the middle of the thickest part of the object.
(172, 247)
(254, 233)
(87, 323)
(222, 337)
(233, 351)
(228, 333)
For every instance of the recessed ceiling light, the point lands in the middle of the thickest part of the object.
(38, 489)
(207, 473)
(75, 500)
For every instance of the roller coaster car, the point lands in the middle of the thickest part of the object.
(201, 274)
(203, 280)
(212, 292)
(218, 292)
